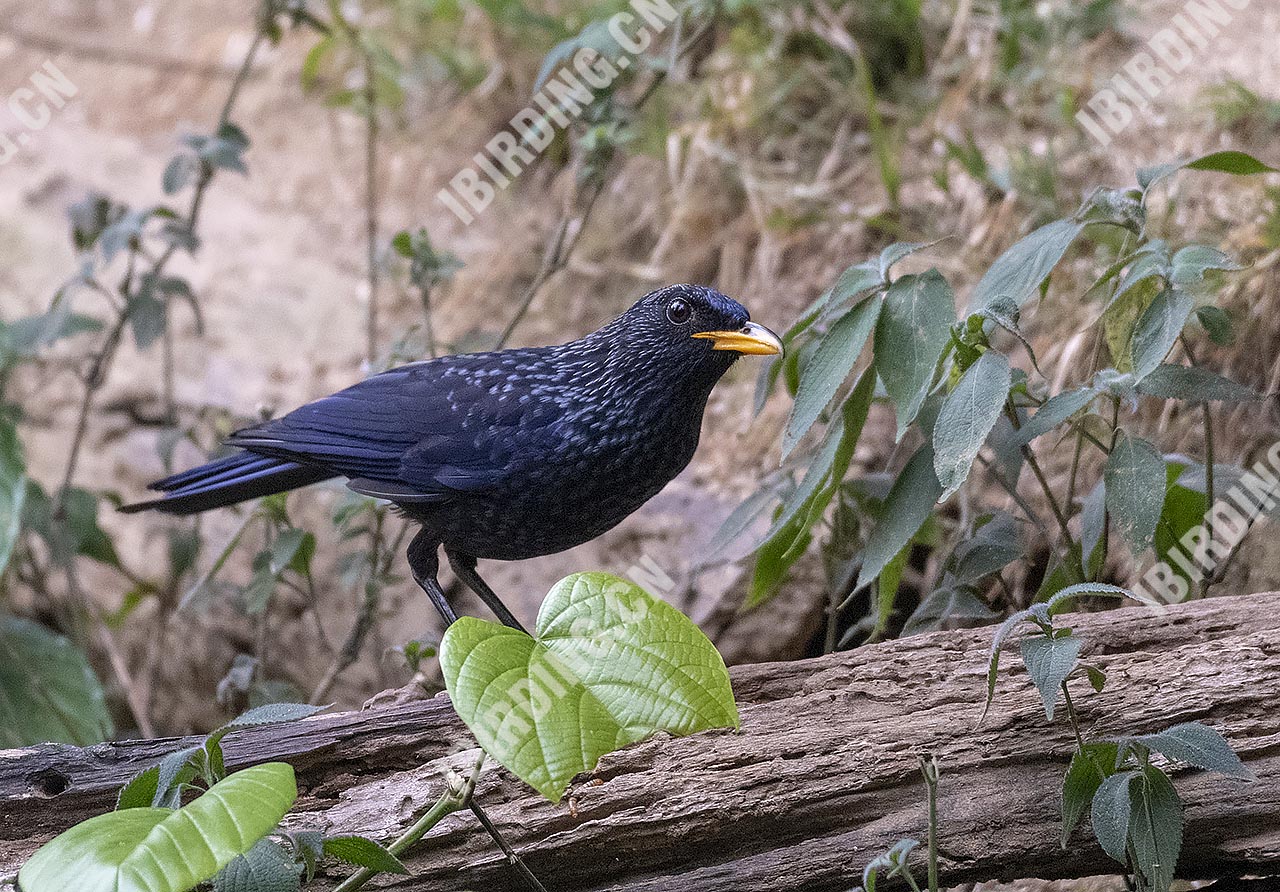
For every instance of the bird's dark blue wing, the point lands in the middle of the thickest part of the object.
(419, 431)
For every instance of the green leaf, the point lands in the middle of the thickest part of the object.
(13, 489)
(898, 251)
(149, 316)
(944, 605)
(1084, 775)
(610, 666)
(1198, 745)
(1110, 812)
(993, 546)
(272, 714)
(159, 850)
(908, 505)
(1135, 482)
(178, 172)
(1217, 323)
(913, 329)
(742, 518)
(1155, 829)
(47, 690)
(1018, 272)
(968, 415)
(264, 868)
(1182, 382)
(285, 549)
(1061, 599)
(1120, 320)
(1055, 410)
(1233, 162)
(892, 863)
(363, 853)
(141, 789)
(1189, 265)
(828, 367)
(789, 535)
(1049, 661)
(1158, 328)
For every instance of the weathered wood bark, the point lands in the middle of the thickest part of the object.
(822, 776)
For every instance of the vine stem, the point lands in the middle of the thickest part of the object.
(929, 768)
(512, 858)
(1206, 578)
(454, 798)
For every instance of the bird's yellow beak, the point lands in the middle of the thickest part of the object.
(752, 339)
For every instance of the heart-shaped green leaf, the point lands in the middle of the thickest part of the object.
(161, 850)
(610, 665)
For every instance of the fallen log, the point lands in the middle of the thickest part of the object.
(822, 777)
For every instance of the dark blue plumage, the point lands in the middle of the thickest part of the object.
(508, 454)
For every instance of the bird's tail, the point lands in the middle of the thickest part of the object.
(227, 481)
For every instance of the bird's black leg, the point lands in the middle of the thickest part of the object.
(424, 562)
(464, 566)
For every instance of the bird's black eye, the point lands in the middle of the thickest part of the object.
(679, 311)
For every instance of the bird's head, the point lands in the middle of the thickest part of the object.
(694, 330)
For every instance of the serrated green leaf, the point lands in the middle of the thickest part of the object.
(944, 605)
(897, 252)
(908, 505)
(993, 546)
(1135, 482)
(48, 693)
(272, 714)
(140, 791)
(1189, 265)
(1198, 745)
(1018, 272)
(827, 369)
(1194, 384)
(1109, 814)
(789, 535)
(1055, 410)
(610, 666)
(893, 863)
(363, 853)
(742, 518)
(968, 415)
(174, 770)
(1217, 323)
(1158, 328)
(913, 329)
(1060, 600)
(1155, 829)
(13, 489)
(1087, 771)
(1232, 162)
(264, 868)
(1049, 661)
(1120, 319)
(159, 850)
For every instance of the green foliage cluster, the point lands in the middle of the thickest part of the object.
(610, 665)
(226, 835)
(955, 390)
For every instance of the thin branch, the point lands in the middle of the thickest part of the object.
(454, 798)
